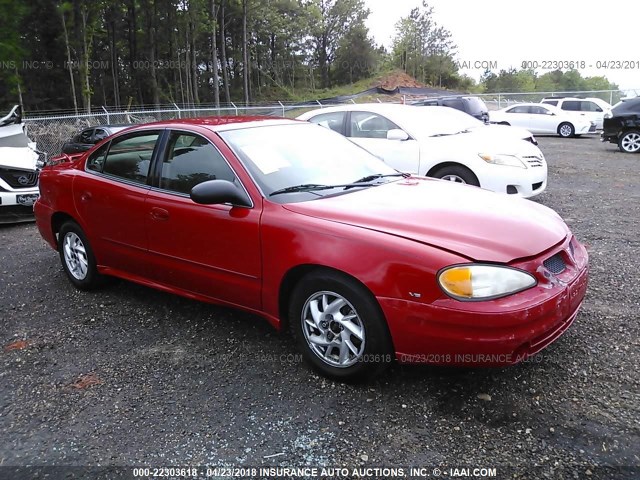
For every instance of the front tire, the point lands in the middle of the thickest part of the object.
(457, 174)
(566, 130)
(339, 327)
(77, 257)
(629, 142)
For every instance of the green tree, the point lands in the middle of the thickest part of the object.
(332, 19)
(424, 49)
(356, 56)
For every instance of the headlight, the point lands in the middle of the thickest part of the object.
(499, 159)
(483, 282)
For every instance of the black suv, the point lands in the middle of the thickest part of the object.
(474, 106)
(623, 126)
(88, 137)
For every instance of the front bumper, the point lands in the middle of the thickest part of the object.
(17, 205)
(609, 137)
(519, 182)
(497, 332)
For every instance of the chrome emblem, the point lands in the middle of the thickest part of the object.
(23, 180)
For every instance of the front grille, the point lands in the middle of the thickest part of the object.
(534, 161)
(17, 178)
(536, 186)
(555, 264)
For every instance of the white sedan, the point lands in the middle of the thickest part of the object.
(543, 119)
(442, 142)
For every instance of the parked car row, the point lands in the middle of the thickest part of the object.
(571, 116)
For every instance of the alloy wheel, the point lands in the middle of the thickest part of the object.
(333, 329)
(75, 256)
(631, 142)
(454, 178)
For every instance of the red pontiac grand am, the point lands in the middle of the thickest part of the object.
(294, 222)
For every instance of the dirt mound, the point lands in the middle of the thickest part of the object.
(392, 80)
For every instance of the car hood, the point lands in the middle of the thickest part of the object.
(501, 131)
(475, 223)
(487, 140)
(18, 157)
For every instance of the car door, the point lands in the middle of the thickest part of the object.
(544, 119)
(110, 195)
(369, 130)
(519, 116)
(211, 250)
(593, 112)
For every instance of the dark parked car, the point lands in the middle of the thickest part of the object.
(474, 106)
(623, 126)
(88, 137)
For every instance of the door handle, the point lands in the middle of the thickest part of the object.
(159, 214)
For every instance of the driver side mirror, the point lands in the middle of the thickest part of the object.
(215, 192)
(397, 134)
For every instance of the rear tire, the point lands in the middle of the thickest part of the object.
(339, 327)
(629, 142)
(77, 257)
(457, 174)
(566, 130)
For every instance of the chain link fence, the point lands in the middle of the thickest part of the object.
(50, 130)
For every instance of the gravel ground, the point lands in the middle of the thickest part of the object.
(131, 376)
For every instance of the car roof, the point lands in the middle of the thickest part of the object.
(221, 123)
(382, 108)
(530, 104)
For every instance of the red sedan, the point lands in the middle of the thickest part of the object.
(293, 222)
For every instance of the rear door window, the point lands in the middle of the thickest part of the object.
(572, 105)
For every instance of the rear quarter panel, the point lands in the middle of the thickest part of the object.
(56, 196)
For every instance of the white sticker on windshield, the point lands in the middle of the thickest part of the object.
(268, 160)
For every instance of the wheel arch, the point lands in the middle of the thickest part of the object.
(441, 165)
(297, 273)
(57, 220)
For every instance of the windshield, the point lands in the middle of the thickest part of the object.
(625, 105)
(476, 105)
(427, 122)
(283, 156)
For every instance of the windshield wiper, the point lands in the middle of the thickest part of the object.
(375, 176)
(305, 187)
(453, 133)
(363, 182)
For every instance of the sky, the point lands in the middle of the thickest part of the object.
(506, 33)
